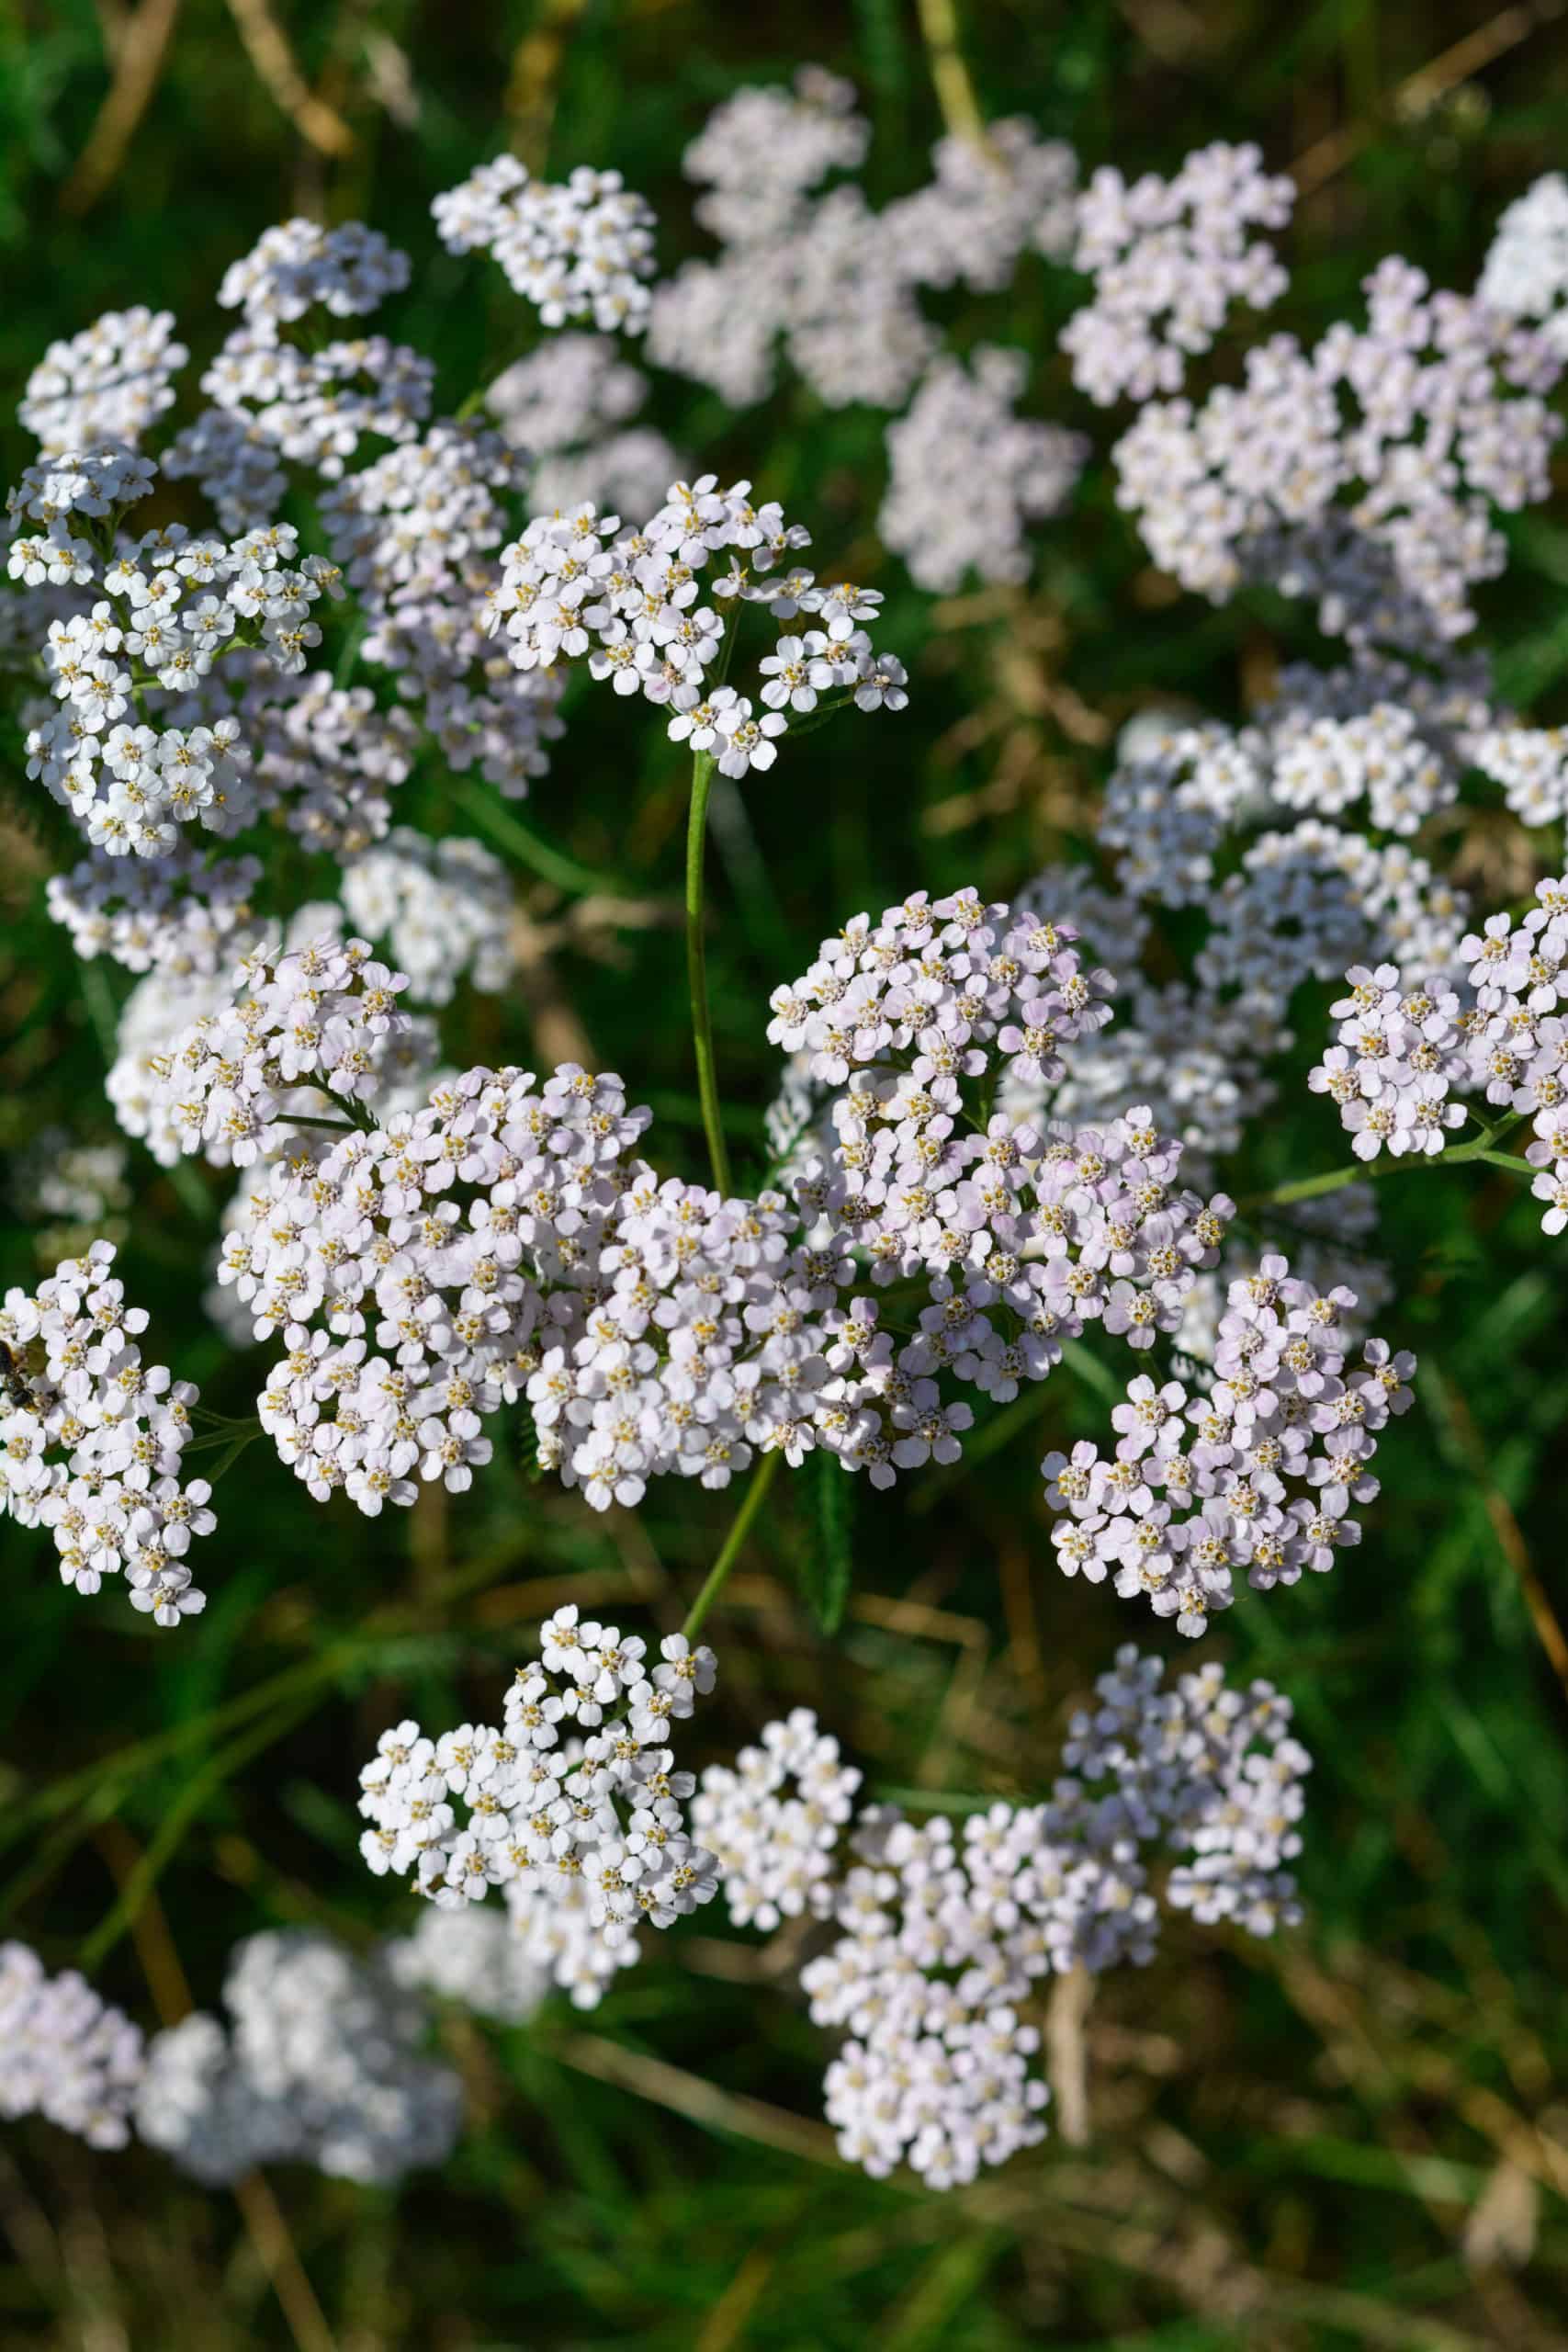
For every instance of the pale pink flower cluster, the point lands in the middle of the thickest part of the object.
(1398, 1053)
(1496, 1032)
(1168, 258)
(1014, 1240)
(583, 249)
(945, 1935)
(1256, 1471)
(578, 586)
(91, 1437)
(573, 1798)
(321, 1017)
(1362, 474)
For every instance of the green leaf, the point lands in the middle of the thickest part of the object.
(827, 1562)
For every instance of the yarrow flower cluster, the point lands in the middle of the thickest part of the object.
(944, 1936)
(299, 264)
(1256, 1470)
(503, 1241)
(1299, 902)
(1168, 257)
(482, 1958)
(273, 399)
(1360, 474)
(580, 250)
(320, 2065)
(1526, 274)
(773, 1819)
(974, 1163)
(822, 273)
(441, 1237)
(179, 661)
(1497, 1032)
(172, 912)
(1391, 1070)
(321, 1017)
(1531, 765)
(172, 607)
(576, 585)
(64, 2053)
(442, 907)
(569, 405)
(965, 474)
(79, 1187)
(107, 384)
(1016, 1241)
(574, 1804)
(416, 533)
(91, 1438)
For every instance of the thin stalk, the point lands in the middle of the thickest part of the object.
(697, 969)
(934, 1800)
(550, 864)
(182, 1809)
(269, 2234)
(1308, 1188)
(734, 1543)
(950, 75)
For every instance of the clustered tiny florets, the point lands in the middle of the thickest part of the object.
(576, 585)
(943, 1936)
(1360, 474)
(91, 1437)
(580, 250)
(319, 2063)
(574, 1805)
(301, 1031)
(1490, 1026)
(64, 2053)
(1168, 257)
(1257, 1470)
(974, 1164)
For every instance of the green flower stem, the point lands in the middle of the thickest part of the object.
(734, 1543)
(1308, 1188)
(697, 969)
(309, 1119)
(224, 1432)
(531, 848)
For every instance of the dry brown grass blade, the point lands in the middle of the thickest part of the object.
(725, 2323)
(534, 84)
(1067, 2054)
(950, 75)
(138, 49)
(1420, 90)
(149, 1929)
(269, 2234)
(698, 2100)
(267, 46)
(115, 17)
(1502, 2229)
(259, 2210)
(1511, 1541)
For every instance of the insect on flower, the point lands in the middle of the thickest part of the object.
(14, 1379)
